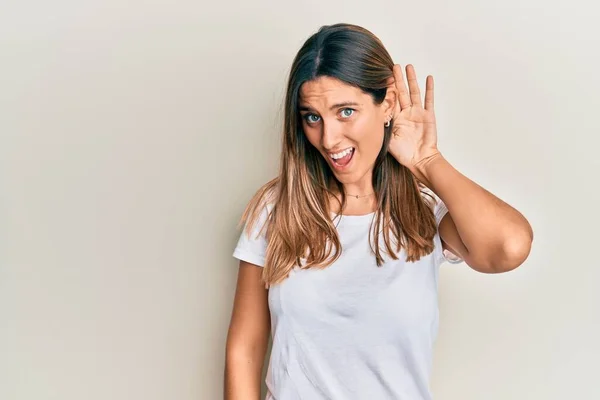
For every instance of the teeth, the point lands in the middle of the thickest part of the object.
(341, 154)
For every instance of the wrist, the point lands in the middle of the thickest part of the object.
(422, 169)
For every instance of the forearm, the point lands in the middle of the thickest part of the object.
(490, 229)
(243, 376)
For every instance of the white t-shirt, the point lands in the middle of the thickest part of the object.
(352, 330)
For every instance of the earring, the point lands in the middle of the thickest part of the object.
(387, 123)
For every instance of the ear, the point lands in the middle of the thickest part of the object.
(390, 101)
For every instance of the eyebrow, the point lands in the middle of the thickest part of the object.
(339, 105)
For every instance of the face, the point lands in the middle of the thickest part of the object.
(345, 125)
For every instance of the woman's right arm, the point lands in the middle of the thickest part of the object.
(248, 335)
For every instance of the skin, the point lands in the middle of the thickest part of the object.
(485, 231)
(336, 116)
(331, 128)
(490, 235)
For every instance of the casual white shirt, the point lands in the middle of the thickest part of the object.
(352, 330)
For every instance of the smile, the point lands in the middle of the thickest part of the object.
(342, 159)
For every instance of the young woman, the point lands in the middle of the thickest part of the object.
(340, 254)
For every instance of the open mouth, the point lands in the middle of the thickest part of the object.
(342, 158)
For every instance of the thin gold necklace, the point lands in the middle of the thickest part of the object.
(358, 197)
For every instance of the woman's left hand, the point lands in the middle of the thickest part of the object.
(414, 133)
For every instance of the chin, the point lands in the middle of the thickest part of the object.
(349, 178)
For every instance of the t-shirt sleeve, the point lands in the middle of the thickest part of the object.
(440, 211)
(252, 247)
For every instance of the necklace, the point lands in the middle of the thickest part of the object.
(357, 196)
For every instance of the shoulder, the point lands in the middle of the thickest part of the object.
(253, 240)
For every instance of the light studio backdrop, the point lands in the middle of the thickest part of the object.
(134, 133)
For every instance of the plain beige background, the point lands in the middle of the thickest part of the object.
(133, 134)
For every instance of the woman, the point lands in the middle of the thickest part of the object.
(340, 254)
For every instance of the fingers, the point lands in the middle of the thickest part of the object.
(403, 96)
(429, 93)
(413, 85)
(413, 98)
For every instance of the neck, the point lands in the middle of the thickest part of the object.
(366, 201)
(354, 206)
(360, 189)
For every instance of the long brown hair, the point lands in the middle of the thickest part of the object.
(299, 225)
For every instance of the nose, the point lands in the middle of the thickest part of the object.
(331, 135)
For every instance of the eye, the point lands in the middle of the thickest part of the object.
(311, 118)
(347, 112)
